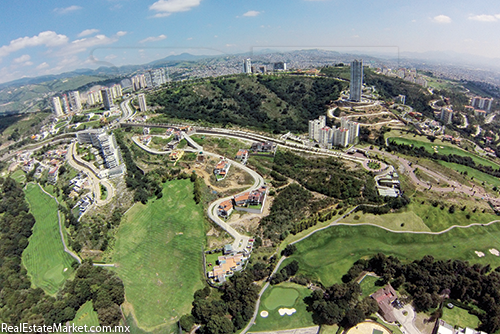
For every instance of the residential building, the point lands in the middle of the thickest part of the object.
(478, 112)
(400, 99)
(446, 115)
(242, 155)
(225, 209)
(107, 98)
(251, 201)
(155, 77)
(138, 82)
(146, 139)
(482, 103)
(94, 97)
(65, 104)
(247, 66)
(116, 91)
(326, 136)
(53, 174)
(221, 169)
(356, 84)
(315, 126)
(75, 101)
(264, 147)
(353, 128)
(104, 142)
(142, 102)
(56, 106)
(279, 66)
(340, 137)
(226, 268)
(384, 298)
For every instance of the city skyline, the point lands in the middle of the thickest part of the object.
(37, 39)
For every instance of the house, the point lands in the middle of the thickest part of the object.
(146, 140)
(53, 174)
(227, 266)
(257, 197)
(176, 155)
(268, 146)
(384, 298)
(221, 169)
(241, 199)
(444, 328)
(225, 208)
(242, 155)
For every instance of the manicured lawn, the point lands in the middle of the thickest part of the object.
(212, 258)
(471, 172)
(460, 317)
(47, 263)
(445, 149)
(158, 253)
(327, 255)
(288, 295)
(86, 315)
(368, 285)
(18, 175)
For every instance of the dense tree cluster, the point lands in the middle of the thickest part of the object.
(226, 313)
(19, 302)
(284, 274)
(271, 103)
(429, 281)
(340, 304)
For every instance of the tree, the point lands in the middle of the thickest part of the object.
(186, 322)
(219, 325)
(109, 316)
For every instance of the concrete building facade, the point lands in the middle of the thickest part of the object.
(356, 84)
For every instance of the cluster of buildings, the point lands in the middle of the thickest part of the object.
(106, 145)
(50, 162)
(149, 79)
(388, 184)
(481, 103)
(229, 263)
(66, 103)
(346, 134)
(409, 75)
(248, 68)
(249, 201)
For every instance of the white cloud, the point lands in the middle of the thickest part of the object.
(47, 38)
(42, 66)
(441, 19)
(67, 10)
(22, 59)
(83, 44)
(153, 39)
(485, 18)
(167, 7)
(230, 45)
(121, 33)
(251, 13)
(87, 32)
(110, 57)
(189, 38)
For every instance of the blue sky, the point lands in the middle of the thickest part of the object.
(46, 37)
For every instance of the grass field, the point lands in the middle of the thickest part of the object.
(459, 317)
(327, 255)
(289, 295)
(368, 285)
(44, 258)
(444, 148)
(471, 172)
(158, 253)
(19, 175)
(86, 315)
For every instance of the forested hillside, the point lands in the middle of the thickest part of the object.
(271, 103)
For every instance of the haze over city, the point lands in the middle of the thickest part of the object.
(56, 36)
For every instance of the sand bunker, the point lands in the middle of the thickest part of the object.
(495, 252)
(287, 311)
(480, 254)
(66, 269)
(264, 314)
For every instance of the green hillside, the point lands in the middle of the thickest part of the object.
(272, 103)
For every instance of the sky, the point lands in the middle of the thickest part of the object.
(55, 36)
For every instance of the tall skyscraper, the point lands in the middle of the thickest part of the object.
(446, 115)
(155, 78)
(138, 82)
(107, 98)
(142, 102)
(56, 106)
(315, 126)
(247, 66)
(356, 85)
(353, 128)
(65, 104)
(75, 101)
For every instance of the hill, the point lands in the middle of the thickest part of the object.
(274, 103)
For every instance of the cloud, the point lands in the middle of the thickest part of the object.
(87, 32)
(22, 59)
(42, 66)
(167, 7)
(153, 39)
(66, 10)
(47, 38)
(441, 19)
(110, 57)
(121, 33)
(189, 38)
(485, 18)
(83, 44)
(251, 13)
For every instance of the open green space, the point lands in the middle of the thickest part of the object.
(288, 295)
(471, 172)
(86, 315)
(211, 260)
(369, 285)
(158, 253)
(444, 148)
(47, 263)
(18, 175)
(281, 296)
(459, 317)
(327, 255)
